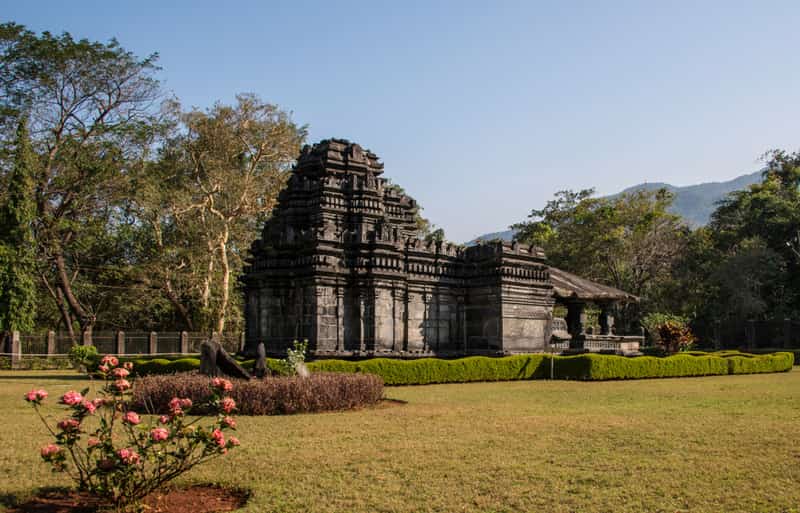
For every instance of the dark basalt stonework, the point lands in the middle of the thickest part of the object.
(340, 263)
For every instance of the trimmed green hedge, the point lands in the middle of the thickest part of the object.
(588, 367)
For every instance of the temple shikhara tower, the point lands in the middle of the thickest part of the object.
(341, 264)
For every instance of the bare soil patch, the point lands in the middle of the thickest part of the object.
(191, 499)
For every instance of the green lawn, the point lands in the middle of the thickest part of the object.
(717, 444)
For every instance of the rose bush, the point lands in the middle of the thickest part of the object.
(113, 453)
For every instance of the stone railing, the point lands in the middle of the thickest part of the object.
(619, 344)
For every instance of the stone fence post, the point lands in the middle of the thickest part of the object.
(120, 340)
(51, 342)
(184, 342)
(16, 349)
(153, 342)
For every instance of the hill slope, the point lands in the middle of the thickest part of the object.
(695, 203)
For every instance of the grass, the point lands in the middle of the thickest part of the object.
(724, 443)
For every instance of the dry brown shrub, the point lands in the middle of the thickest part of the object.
(268, 396)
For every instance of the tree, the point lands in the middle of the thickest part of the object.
(630, 242)
(91, 108)
(758, 274)
(203, 202)
(17, 256)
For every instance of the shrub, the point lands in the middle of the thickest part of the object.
(669, 332)
(752, 364)
(123, 459)
(83, 357)
(270, 396)
(589, 366)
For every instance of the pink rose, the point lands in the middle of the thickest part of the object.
(233, 441)
(221, 384)
(48, 451)
(227, 404)
(122, 385)
(131, 417)
(229, 422)
(159, 434)
(98, 402)
(175, 406)
(128, 366)
(164, 419)
(92, 442)
(35, 396)
(109, 360)
(89, 406)
(69, 425)
(119, 372)
(103, 368)
(218, 437)
(128, 456)
(71, 398)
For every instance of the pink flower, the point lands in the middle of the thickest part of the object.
(128, 456)
(227, 404)
(103, 368)
(35, 396)
(177, 404)
(128, 366)
(48, 451)
(98, 402)
(92, 442)
(71, 398)
(122, 385)
(89, 406)
(109, 360)
(131, 417)
(119, 372)
(229, 422)
(218, 437)
(186, 403)
(233, 441)
(164, 419)
(69, 425)
(159, 434)
(221, 384)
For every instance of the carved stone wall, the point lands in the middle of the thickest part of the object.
(341, 263)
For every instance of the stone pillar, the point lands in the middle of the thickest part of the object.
(787, 333)
(606, 319)
(362, 320)
(153, 342)
(576, 318)
(16, 349)
(86, 337)
(120, 342)
(184, 342)
(750, 333)
(339, 318)
(51, 342)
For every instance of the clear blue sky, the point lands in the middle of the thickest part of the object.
(483, 110)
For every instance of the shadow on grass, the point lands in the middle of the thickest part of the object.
(33, 375)
(46, 500)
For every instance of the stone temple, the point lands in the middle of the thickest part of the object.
(341, 263)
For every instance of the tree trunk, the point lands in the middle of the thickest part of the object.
(226, 280)
(85, 318)
(175, 300)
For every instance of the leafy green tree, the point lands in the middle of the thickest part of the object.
(630, 241)
(17, 256)
(205, 199)
(92, 108)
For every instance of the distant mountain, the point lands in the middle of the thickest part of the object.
(695, 203)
